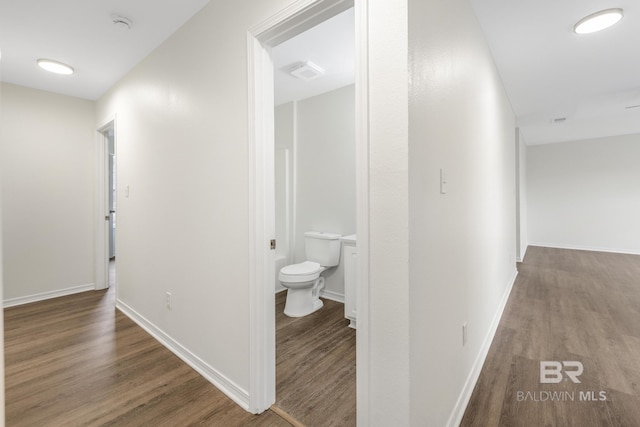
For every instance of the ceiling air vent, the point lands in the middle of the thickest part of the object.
(559, 120)
(306, 71)
(632, 106)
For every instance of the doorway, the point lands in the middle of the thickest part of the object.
(106, 197)
(111, 192)
(295, 19)
(314, 159)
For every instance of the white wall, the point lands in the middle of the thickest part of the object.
(2, 403)
(284, 126)
(387, 309)
(462, 243)
(585, 194)
(319, 133)
(522, 236)
(48, 144)
(182, 149)
(325, 172)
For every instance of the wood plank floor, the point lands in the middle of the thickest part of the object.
(316, 366)
(76, 361)
(565, 306)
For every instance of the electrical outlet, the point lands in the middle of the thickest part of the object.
(169, 300)
(464, 334)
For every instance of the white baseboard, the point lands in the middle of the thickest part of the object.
(586, 248)
(333, 296)
(521, 257)
(224, 384)
(12, 302)
(463, 400)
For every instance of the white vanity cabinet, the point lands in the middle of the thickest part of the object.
(350, 278)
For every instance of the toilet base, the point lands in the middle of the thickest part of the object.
(302, 302)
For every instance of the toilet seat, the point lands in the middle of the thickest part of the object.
(307, 271)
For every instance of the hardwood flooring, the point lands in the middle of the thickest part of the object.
(565, 306)
(316, 366)
(76, 361)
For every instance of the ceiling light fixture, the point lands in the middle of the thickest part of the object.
(598, 21)
(54, 66)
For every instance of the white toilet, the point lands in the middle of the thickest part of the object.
(303, 281)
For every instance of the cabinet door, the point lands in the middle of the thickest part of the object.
(350, 280)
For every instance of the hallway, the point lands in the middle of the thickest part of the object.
(75, 360)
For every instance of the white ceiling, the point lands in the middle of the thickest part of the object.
(330, 45)
(81, 33)
(550, 72)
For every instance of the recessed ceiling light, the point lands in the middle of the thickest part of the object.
(598, 21)
(54, 66)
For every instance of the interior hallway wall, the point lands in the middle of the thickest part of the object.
(48, 146)
(384, 377)
(182, 151)
(462, 243)
(585, 194)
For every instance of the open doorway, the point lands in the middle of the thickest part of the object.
(106, 207)
(262, 39)
(315, 192)
(111, 194)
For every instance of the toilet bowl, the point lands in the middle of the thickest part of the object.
(304, 281)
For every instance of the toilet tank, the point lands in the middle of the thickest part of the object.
(323, 248)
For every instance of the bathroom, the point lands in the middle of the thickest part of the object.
(315, 177)
(315, 181)
(315, 186)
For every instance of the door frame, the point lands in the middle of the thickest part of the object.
(296, 18)
(102, 202)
